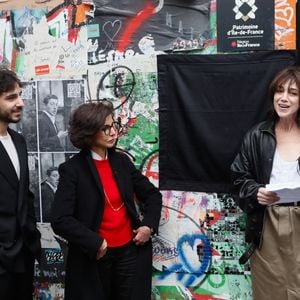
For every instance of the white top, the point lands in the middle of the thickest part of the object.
(11, 151)
(284, 171)
(285, 180)
(96, 156)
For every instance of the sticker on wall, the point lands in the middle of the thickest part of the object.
(245, 25)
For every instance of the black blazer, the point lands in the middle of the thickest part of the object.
(77, 212)
(17, 219)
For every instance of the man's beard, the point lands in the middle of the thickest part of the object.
(6, 116)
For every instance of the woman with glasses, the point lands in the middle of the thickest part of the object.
(270, 154)
(110, 249)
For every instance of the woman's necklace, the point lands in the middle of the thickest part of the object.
(109, 203)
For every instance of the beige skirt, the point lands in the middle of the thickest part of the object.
(275, 268)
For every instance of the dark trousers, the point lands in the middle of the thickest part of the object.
(16, 286)
(117, 270)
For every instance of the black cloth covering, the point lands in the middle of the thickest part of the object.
(206, 105)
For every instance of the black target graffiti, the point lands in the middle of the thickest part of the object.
(117, 85)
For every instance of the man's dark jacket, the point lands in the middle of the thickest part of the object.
(17, 220)
(251, 170)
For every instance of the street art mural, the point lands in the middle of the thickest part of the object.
(196, 252)
(121, 29)
(132, 88)
(99, 50)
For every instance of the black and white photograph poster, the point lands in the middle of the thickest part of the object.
(56, 99)
(245, 25)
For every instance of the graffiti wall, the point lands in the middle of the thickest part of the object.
(83, 51)
(196, 253)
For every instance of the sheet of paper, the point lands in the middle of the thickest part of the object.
(288, 192)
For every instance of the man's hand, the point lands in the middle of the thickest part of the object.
(102, 250)
(62, 134)
(142, 235)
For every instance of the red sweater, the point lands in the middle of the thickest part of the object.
(115, 226)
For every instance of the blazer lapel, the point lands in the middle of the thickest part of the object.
(7, 169)
(21, 148)
(22, 155)
(94, 172)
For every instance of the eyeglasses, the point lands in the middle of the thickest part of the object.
(107, 128)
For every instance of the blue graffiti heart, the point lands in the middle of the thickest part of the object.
(190, 240)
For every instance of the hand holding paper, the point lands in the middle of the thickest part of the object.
(288, 192)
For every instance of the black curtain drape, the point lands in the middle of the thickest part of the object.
(206, 105)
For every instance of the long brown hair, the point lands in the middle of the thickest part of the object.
(290, 73)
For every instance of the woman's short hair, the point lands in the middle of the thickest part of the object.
(292, 74)
(86, 121)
